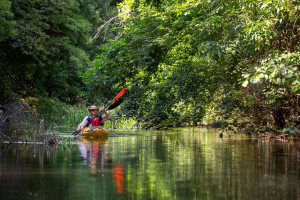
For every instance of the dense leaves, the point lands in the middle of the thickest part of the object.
(182, 62)
(6, 20)
(186, 60)
(49, 50)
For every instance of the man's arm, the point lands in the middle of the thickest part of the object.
(82, 124)
(106, 114)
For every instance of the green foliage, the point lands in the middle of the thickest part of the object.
(291, 131)
(181, 62)
(49, 52)
(74, 115)
(43, 41)
(280, 70)
(52, 111)
(6, 20)
(178, 57)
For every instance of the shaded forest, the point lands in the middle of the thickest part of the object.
(222, 63)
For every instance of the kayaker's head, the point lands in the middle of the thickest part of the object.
(93, 110)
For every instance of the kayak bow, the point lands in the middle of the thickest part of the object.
(94, 131)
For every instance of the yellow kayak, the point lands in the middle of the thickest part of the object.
(94, 131)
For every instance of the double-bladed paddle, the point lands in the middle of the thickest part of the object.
(113, 104)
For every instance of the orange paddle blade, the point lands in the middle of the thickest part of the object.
(120, 94)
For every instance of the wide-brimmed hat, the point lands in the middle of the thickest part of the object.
(93, 108)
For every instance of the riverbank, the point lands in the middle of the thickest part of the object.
(38, 119)
(64, 136)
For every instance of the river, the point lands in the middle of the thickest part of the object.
(134, 164)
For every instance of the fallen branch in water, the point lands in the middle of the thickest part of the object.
(6, 137)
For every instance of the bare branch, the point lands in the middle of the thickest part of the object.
(103, 26)
(5, 136)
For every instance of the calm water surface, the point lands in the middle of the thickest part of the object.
(177, 164)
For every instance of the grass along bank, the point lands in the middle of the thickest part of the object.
(37, 119)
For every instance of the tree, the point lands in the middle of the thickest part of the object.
(6, 20)
(50, 49)
(186, 54)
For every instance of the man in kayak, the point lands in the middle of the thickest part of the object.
(94, 119)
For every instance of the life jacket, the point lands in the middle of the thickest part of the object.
(97, 121)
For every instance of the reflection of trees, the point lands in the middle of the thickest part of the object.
(198, 165)
(43, 172)
(181, 165)
(29, 171)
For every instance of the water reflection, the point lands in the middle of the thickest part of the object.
(181, 164)
(118, 175)
(93, 151)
